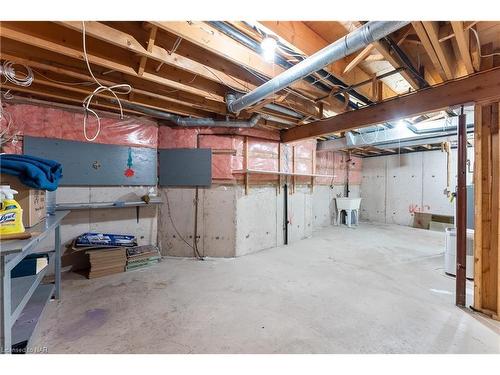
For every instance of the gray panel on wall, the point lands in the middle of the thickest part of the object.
(185, 167)
(94, 164)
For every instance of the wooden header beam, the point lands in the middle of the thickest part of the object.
(474, 88)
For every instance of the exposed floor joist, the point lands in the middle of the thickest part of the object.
(480, 86)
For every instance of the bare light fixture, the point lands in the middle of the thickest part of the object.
(401, 124)
(268, 47)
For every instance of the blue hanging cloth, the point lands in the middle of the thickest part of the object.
(32, 171)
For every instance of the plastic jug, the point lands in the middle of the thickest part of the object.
(11, 213)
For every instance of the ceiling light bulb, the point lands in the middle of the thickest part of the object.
(268, 46)
(401, 124)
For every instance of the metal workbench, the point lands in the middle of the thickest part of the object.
(26, 294)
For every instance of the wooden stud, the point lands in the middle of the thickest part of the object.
(463, 44)
(360, 57)
(151, 42)
(429, 49)
(443, 51)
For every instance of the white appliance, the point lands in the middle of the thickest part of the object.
(450, 253)
(349, 205)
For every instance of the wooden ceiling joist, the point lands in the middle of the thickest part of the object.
(206, 37)
(361, 56)
(477, 87)
(443, 50)
(429, 49)
(462, 38)
(395, 61)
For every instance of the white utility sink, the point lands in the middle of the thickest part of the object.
(348, 203)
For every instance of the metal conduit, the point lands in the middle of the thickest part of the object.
(255, 46)
(359, 38)
(188, 121)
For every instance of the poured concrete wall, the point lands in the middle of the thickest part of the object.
(216, 221)
(231, 223)
(324, 208)
(393, 187)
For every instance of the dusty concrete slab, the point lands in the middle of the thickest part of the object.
(374, 289)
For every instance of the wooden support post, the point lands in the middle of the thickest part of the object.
(461, 211)
(487, 207)
(478, 205)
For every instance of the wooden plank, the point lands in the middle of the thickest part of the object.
(487, 205)
(396, 63)
(13, 34)
(201, 34)
(443, 50)
(119, 39)
(479, 86)
(478, 212)
(429, 49)
(360, 57)
(151, 42)
(495, 207)
(463, 44)
(447, 32)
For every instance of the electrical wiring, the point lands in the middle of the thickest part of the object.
(83, 83)
(24, 79)
(169, 213)
(121, 89)
(479, 45)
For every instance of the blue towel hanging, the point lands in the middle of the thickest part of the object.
(32, 171)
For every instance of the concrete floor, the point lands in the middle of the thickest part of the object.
(374, 289)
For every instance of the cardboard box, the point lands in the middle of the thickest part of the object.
(422, 220)
(32, 201)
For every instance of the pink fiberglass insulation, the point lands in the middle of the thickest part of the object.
(335, 163)
(46, 122)
(355, 170)
(325, 166)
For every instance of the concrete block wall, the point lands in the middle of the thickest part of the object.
(393, 187)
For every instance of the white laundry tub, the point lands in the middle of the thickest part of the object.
(348, 205)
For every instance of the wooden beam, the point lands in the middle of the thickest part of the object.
(151, 42)
(394, 60)
(120, 39)
(361, 56)
(70, 75)
(201, 34)
(443, 50)
(429, 49)
(463, 44)
(447, 32)
(487, 209)
(13, 34)
(396, 63)
(480, 86)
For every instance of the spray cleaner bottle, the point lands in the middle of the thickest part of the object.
(11, 213)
